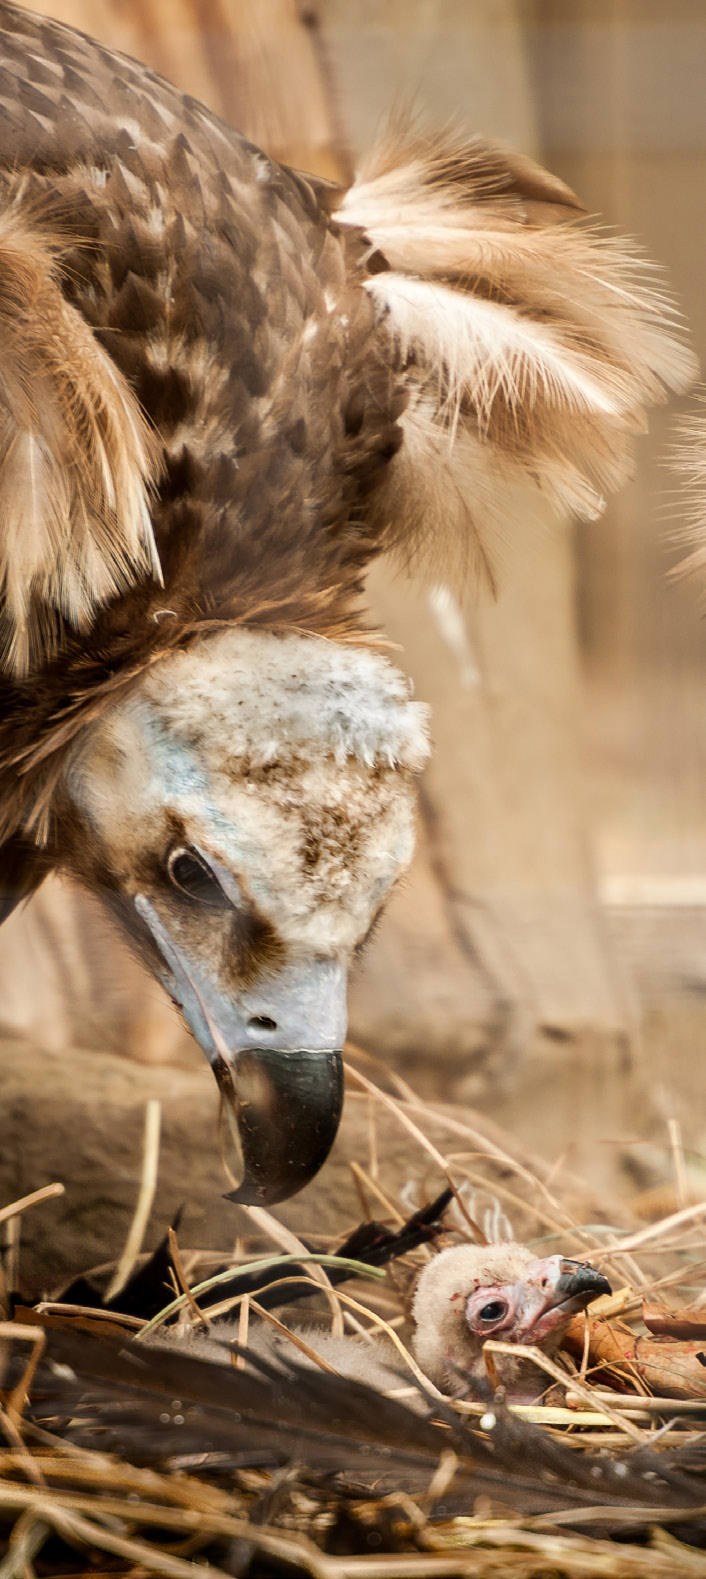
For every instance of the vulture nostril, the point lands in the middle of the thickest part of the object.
(262, 1022)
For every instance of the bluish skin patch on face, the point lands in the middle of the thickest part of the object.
(174, 780)
(184, 785)
(162, 774)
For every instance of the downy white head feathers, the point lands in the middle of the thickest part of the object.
(256, 697)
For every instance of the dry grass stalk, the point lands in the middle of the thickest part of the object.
(133, 1514)
(262, 1264)
(653, 1232)
(459, 1548)
(481, 1143)
(369, 1183)
(418, 1135)
(676, 1143)
(26, 1460)
(145, 1199)
(389, 1331)
(243, 1331)
(57, 1307)
(17, 1332)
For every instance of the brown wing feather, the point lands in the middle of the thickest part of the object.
(77, 458)
(218, 288)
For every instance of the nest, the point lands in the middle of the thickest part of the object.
(121, 1456)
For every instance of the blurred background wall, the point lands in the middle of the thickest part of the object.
(547, 958)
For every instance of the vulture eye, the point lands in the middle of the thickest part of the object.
(191, 874)
(494, 1310)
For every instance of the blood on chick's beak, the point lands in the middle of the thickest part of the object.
(282, 1102)
(554, 1290)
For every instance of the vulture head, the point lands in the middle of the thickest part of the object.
(470, 1293)
(245, 815)
(224, 389)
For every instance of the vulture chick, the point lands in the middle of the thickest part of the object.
(471, 1292)
(463, 1296)
(224, 389)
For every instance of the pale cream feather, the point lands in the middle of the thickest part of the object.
(486, 350)
(689, 462)
(534, 343)
(77, 459)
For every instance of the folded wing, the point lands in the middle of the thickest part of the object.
(77, 458)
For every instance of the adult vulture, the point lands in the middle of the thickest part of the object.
(224, 388)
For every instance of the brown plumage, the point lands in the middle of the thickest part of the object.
(224, 389)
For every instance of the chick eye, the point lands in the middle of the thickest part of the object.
(493, 1311)
(192, 875)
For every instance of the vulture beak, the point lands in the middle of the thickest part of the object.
(275, 1056)
(553, 1291)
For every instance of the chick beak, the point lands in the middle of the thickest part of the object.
(556, 1290)
(282, 1101)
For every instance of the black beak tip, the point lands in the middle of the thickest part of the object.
(581, 1281)
(288, 1108)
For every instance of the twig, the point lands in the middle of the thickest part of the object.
(263, 1264)
(288, 1241)
(294, 1338)
(198, 1314)
(47, 1192)
(528, 1351)
(408, 1124)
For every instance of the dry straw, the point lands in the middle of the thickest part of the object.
(90, 1512)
